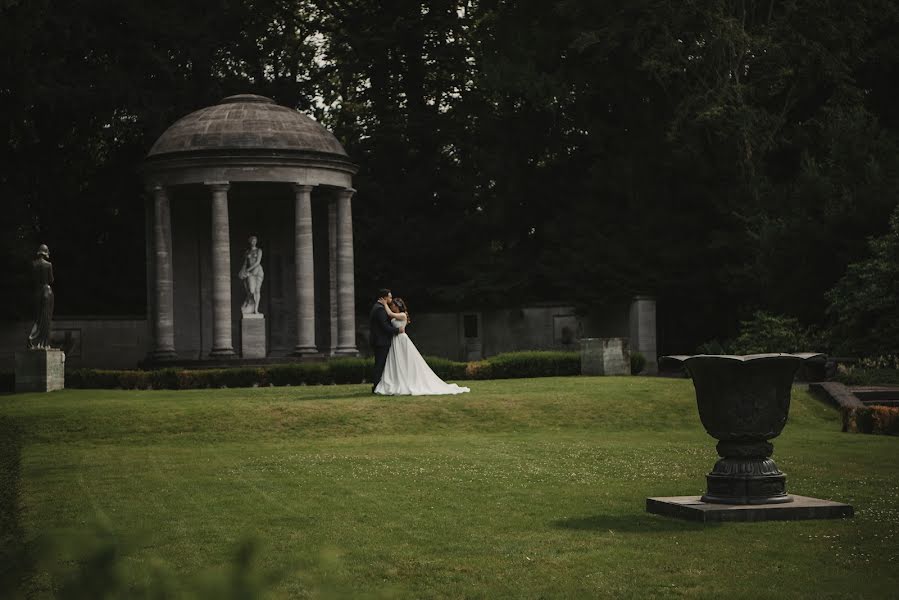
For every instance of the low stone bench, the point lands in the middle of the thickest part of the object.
(834, 393)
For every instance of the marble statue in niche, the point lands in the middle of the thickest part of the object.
(251, 274)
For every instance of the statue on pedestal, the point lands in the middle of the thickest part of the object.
(251, 275)
(42, 271)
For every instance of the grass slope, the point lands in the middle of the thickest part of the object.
(521, 489)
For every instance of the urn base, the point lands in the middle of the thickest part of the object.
(746, 481)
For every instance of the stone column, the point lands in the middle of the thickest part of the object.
(643, 331)
(163, 317)
(332, 274)
(305, 271)
(221, 272)
(346, 292)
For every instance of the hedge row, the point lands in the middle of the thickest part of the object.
(335, 371)
(871, 419)
(863, 376)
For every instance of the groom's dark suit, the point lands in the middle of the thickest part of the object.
(381, 334)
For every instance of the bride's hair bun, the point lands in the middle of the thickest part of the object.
(401, 304)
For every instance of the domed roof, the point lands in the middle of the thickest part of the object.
(250, 123)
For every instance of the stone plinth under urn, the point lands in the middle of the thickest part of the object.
(40, 370)
(744, 402)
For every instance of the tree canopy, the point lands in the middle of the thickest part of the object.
(725, 156)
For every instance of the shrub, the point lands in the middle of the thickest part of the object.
(96, 378)
(338, 370)
(775, 333)
(864, 304)
(765, 332)
(871, 419)
(316, 373)
(350, 370)
(480, 369)
(534, 364)
(241, 377)
(638, 363)
(861, 376)
(446, 369)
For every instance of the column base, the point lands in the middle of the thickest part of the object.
(223, 353)
(746, 480)
(162, 355)
(350, 351)
(304, 351)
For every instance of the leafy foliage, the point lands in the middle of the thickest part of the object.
(871, 419)
(723, 156)
(764, 333)
(773, 333)
(335, 371)
(854, 375)
(638, 363)
(865, 302)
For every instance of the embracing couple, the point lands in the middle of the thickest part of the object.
(399, 368)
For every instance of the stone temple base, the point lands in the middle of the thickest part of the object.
(692, 508)
(40, 370)
(252, 336)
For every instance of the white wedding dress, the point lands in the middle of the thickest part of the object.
(407, 374)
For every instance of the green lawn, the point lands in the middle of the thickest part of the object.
(522, 489)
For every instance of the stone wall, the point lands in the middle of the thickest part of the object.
(103, 342)
(121, 343)
(476, 335)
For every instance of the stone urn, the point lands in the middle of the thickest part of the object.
(743, 402)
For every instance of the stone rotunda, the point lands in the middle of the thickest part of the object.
(249, 167)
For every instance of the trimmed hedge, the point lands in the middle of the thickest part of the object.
(871, 419)
(514, 365)
(638, 363)
(862, 376)
(336, 371)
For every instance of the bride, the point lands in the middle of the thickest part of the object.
(406, 372)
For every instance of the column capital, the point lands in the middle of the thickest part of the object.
(218, 186)
(155, 188)
(346, 192)
(300, 188)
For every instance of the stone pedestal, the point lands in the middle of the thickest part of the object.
(40, 370)
(692, 508)
(252, 336)
(605, 356)
(643, 332)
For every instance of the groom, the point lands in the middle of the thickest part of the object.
(381, 335)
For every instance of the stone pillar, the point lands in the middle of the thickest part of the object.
(643, 332)
(332, 274)
(605, 356)
(221, 272)
(163, 317)
(346, 292)
(305, 271)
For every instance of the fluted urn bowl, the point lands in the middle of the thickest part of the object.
(743, 402)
